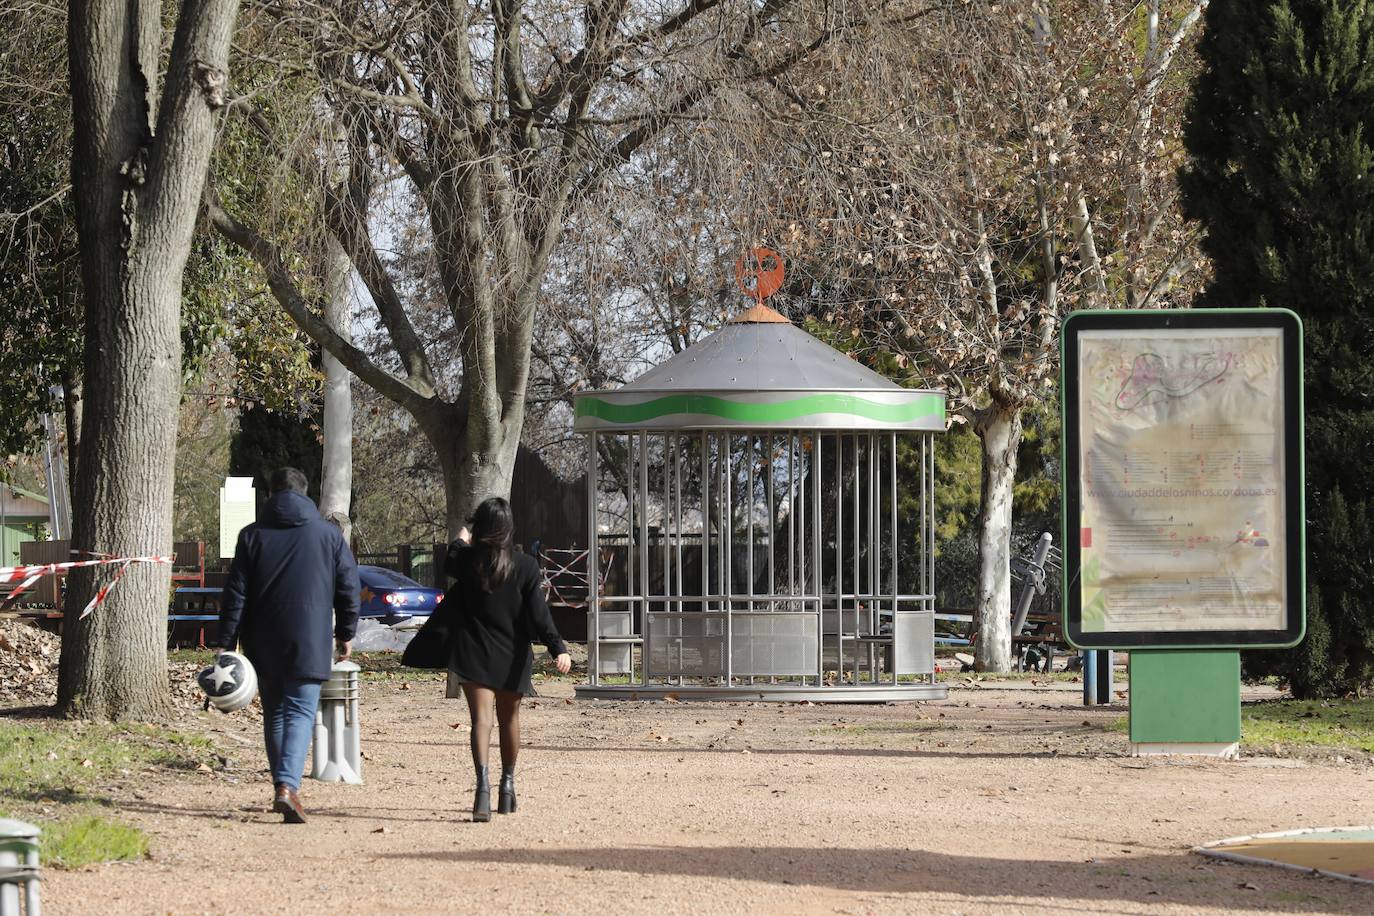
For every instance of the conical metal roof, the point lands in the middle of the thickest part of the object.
(760, 372)
(758, 353)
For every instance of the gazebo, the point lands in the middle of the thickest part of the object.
(761, 525)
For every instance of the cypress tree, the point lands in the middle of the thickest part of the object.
(1281, 176)
(267, 440)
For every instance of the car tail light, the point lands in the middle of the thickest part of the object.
(394, 598)
(439, 597)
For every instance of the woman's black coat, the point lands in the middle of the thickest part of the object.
(492, 631)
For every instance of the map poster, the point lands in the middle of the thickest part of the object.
(1182, 460)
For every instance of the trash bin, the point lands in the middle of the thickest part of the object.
(337, 753)
(18, 868)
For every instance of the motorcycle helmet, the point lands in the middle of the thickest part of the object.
(230, 683)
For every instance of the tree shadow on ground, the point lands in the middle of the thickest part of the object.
(912, 753)
(1146, 880)
(453, 813)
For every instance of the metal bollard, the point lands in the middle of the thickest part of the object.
(1097, 677)
(1104, 677)
(1089, 677)
(18, 866)
(337, 753)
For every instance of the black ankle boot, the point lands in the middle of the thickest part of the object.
(506, 795)
(481, 802)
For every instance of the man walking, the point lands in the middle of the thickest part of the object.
(292, 584)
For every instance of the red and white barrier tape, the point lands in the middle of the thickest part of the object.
(28, 575)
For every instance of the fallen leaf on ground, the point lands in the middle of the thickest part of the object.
(88, 762)
(204, 769)
(381, 830)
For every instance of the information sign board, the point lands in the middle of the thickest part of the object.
(1183, 478)
(237, 509)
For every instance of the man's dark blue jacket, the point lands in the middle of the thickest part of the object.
(292, 591)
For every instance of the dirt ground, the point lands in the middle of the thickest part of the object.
(996, 800)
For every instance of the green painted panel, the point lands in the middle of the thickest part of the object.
(1185, 695)
(929, 405)
(11, 536)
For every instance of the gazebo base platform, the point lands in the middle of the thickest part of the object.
(770, 693)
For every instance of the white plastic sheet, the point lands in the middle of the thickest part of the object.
(375, 636)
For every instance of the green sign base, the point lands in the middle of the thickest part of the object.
(1185, 701)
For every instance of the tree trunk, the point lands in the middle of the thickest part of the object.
(138, 166)
(1080, 222)
(999, 430)
(336, 479)
(470, 476)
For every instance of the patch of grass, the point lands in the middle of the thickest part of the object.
(194, 656)
(88, 839)
(1336, 724)
(48, 772)
(59, 760)
(1295, 897)
(386, 666)
(955, 676)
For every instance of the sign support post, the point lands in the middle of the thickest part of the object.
(1185, 701)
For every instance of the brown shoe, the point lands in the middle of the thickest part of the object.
(288, 805)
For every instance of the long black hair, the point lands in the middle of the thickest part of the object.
(493, 536)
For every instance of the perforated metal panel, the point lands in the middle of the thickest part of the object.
(614, 658)
(616, 623)
(686, 645)
(773, 644)
(915, 642)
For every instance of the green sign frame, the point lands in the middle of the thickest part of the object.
(1177, 326)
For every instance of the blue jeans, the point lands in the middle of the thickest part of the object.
(288, 724)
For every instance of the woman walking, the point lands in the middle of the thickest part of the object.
(499, 611)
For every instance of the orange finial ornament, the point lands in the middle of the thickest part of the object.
(759, 273)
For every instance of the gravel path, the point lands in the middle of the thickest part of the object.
(994, 801)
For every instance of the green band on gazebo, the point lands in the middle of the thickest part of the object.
(924, 406)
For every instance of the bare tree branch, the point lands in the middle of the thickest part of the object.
(287, 293)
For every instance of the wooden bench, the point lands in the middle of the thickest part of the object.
(1043, 632)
